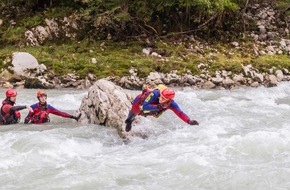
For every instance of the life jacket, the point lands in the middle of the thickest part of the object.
(42, 115)
(2, 118)
(10, 117)
(145, 92)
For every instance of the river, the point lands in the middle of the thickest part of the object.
(242, 142)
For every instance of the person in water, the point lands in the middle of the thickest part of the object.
(41, 111)
(9, 112)
(154, 103)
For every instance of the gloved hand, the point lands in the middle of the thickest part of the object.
(76, 117)
(192, 122)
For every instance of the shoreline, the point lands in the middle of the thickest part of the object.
(251, 77)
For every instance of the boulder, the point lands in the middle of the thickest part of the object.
(41, 33)
(208, 85)
(279, 75)
(239, 79)
(271, 80)
(24, 63)
(37, 82)
(227, 83)
(106, 104)
(31, 38)
(217, 80)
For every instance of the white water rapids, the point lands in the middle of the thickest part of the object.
(242, 143)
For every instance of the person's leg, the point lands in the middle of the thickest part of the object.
(135, 110)
(129, 121)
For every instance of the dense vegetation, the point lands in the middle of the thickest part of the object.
(125, 18)
(167, 25)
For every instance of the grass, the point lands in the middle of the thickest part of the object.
(115, 59)
(12, 35)
(263, 63)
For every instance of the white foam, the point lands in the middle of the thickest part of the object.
(242, 142)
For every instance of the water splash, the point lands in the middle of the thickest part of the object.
(242, 142)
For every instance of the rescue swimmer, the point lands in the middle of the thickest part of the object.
(42, 109)
(9, 112)
(154, 103)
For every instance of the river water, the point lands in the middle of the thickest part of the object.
(242, 142)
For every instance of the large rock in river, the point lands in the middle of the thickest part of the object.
(106, 104)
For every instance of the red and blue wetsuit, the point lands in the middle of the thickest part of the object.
(148, 104)
(41, 113)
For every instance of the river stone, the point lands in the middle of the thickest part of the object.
(272, 81)
(208, 85)
(106, 104)
(279, 75)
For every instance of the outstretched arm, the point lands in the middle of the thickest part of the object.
(17, 108)
(57, 112)
(175, 108)
(62, 114)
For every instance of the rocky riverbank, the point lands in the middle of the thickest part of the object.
(25, 72)
(220, 80)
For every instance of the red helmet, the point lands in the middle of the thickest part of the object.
(10, 93)
(168, 94)
(41, 93)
